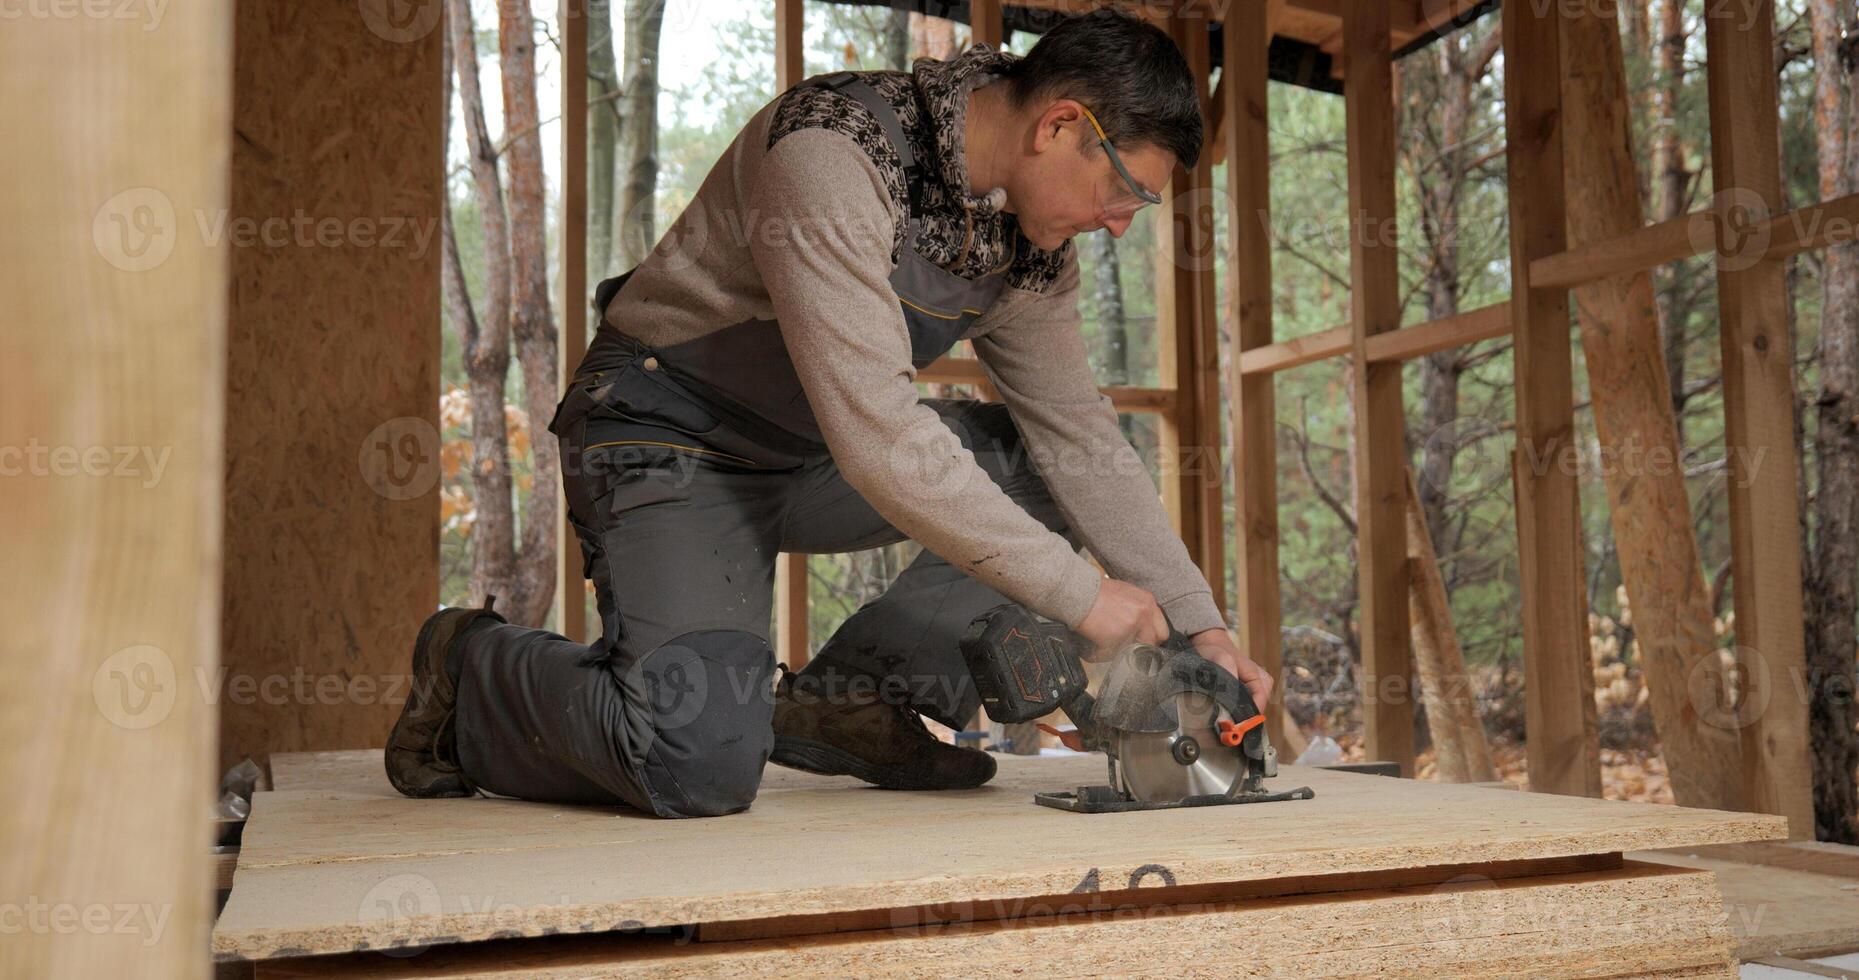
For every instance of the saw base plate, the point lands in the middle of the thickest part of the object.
(1104, 799)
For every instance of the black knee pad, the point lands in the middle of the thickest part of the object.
(705, 712)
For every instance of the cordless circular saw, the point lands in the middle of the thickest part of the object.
(1178, 729)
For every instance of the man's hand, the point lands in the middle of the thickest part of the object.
(1123, 615)
(1217, 645)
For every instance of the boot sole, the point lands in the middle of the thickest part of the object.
(825, 760)
(426, 680)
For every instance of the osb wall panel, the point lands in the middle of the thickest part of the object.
(332, 389)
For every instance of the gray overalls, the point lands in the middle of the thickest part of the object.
(688, 470)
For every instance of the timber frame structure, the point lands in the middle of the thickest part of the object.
(1359, 40)
(138, 610)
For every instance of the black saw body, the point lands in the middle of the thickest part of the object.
(1177, 729)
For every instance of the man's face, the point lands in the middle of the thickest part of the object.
(1067, 184)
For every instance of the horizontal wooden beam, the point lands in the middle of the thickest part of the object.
(1127, 398)
(1297, 352)
(1404, 344)
(1785, 234)
(1654, 245)
(1458, 330)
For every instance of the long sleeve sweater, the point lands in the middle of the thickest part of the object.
(802, 233)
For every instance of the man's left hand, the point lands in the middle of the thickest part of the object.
(1217, 645)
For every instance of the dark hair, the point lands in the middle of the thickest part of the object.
(1128, 72)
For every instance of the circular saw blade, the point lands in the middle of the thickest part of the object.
(1150, 771)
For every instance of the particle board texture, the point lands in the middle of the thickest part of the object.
(347, 865)
(332, 395)
(1635, 920)
(1797, 899)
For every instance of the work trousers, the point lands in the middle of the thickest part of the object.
(680, 524)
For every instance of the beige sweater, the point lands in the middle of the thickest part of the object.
(802, 234)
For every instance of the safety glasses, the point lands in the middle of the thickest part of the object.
(1137, 195)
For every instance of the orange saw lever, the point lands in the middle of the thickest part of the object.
(1231, 735)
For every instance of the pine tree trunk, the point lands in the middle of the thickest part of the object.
(484, 344)
(603, 140)
(532, 326)
(636, 220)
(1833, 559)
(1648, 504)
(1668, 168)
(1107, 300)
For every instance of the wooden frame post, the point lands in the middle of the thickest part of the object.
(984, 23)
(116, 334)
(1254, 413)
(792, 608)
(1564, 755)
(1758, 406)
(570, 586)
(1188, 351)
(1381, 455)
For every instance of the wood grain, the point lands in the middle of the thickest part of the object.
(1759, 439)
(1254, 423)
(1380, 440)
(1649, 505)
(111, 418)
(332, 870)
(1559, 714)
(1639, 920)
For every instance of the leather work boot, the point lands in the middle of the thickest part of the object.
(861, 735)
(422, 750)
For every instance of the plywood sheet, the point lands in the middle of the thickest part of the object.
(333, 870)
(1777, 910)
(1636, 920)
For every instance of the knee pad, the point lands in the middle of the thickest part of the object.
(704, 708)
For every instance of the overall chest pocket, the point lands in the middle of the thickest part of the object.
(938, 305)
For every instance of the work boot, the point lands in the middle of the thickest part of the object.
(422, 750)
(859, 734)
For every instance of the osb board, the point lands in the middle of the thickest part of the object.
(332, 870)
(349, 770)
(1636, 920)
(1777, 910)
(331, 513)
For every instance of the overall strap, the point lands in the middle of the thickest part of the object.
(851, 84)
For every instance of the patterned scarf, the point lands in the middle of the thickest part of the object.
(964, 232)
